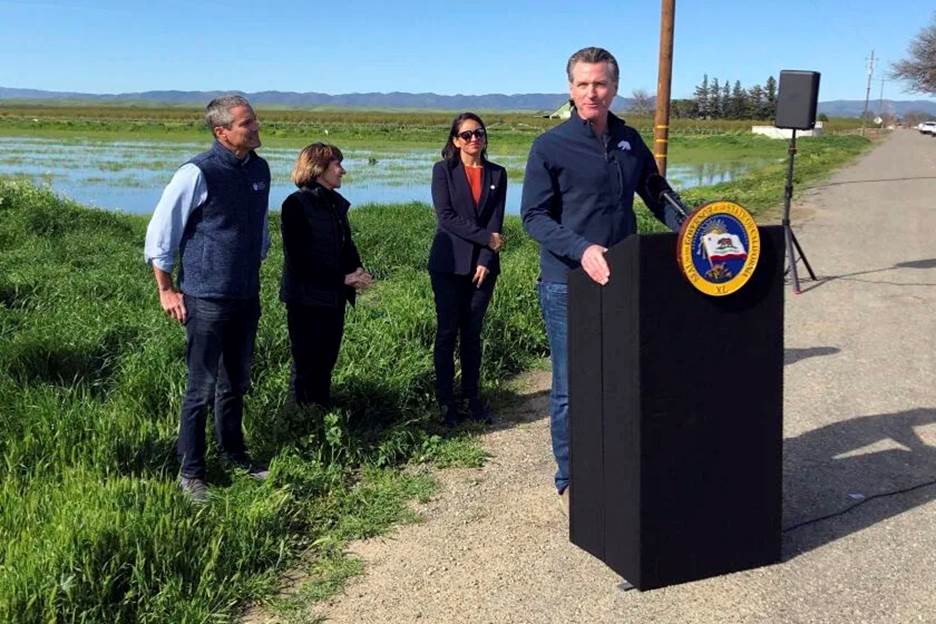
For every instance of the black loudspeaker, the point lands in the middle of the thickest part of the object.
(796, 101)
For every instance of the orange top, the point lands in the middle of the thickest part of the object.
(474, 175)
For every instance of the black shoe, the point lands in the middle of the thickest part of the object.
(450, 415)
(480, 411)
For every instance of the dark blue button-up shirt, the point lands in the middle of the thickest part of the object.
(579, 191)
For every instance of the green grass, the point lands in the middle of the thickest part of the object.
(698, 148)
(92, 526)
(511, 132)
(762, 190)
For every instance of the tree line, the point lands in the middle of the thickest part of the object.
(714, 100)
(717, 100)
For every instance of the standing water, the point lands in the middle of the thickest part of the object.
(129, 176)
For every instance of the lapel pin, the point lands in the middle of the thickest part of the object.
(492, 187)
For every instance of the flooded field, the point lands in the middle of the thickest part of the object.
(128, 176)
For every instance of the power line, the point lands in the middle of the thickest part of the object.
(881, 100)
(864, 115)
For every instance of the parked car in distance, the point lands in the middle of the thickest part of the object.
(927, 127)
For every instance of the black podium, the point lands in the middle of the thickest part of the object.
(676, 416)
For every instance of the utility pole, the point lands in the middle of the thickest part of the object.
(664, 82)
(864, 115)
(881, 102)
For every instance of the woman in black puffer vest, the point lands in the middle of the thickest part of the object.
(321, 270)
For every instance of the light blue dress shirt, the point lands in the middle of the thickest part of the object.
(185, 192)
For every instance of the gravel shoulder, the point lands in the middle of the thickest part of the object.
(860, 420)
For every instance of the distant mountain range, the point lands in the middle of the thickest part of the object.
(854, 108)
(398, 100)
(290, 99)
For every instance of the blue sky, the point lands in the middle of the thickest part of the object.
(104, 46)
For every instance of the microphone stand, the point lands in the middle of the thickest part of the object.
(792, 245)
(677, 206)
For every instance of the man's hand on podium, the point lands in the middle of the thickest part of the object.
(595, 265)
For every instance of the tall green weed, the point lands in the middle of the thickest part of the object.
(92, 526)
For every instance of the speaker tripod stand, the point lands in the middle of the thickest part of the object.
(792, 245)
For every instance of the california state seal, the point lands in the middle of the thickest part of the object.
(718, 247)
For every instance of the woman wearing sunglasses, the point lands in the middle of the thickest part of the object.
(468, 193)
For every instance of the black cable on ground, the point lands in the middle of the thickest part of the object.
(858, 504)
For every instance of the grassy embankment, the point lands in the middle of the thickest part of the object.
(92, 527)
(91, 377)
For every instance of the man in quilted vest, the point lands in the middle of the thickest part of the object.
(212, 219)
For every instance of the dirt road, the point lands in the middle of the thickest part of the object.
(860, 420)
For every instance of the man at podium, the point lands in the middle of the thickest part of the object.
(578, 196)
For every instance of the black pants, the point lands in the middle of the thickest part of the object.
(221, 336)
(460, 308)
(314, 338)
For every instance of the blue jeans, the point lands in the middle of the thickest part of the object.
(554, 301)
(220, 347)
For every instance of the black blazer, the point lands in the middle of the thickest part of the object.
(464, 230)
(317, 248)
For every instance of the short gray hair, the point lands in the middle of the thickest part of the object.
(594, 55)
(218, 111)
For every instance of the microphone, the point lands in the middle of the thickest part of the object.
(660, 190)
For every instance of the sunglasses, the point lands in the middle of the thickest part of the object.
(478, 133)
